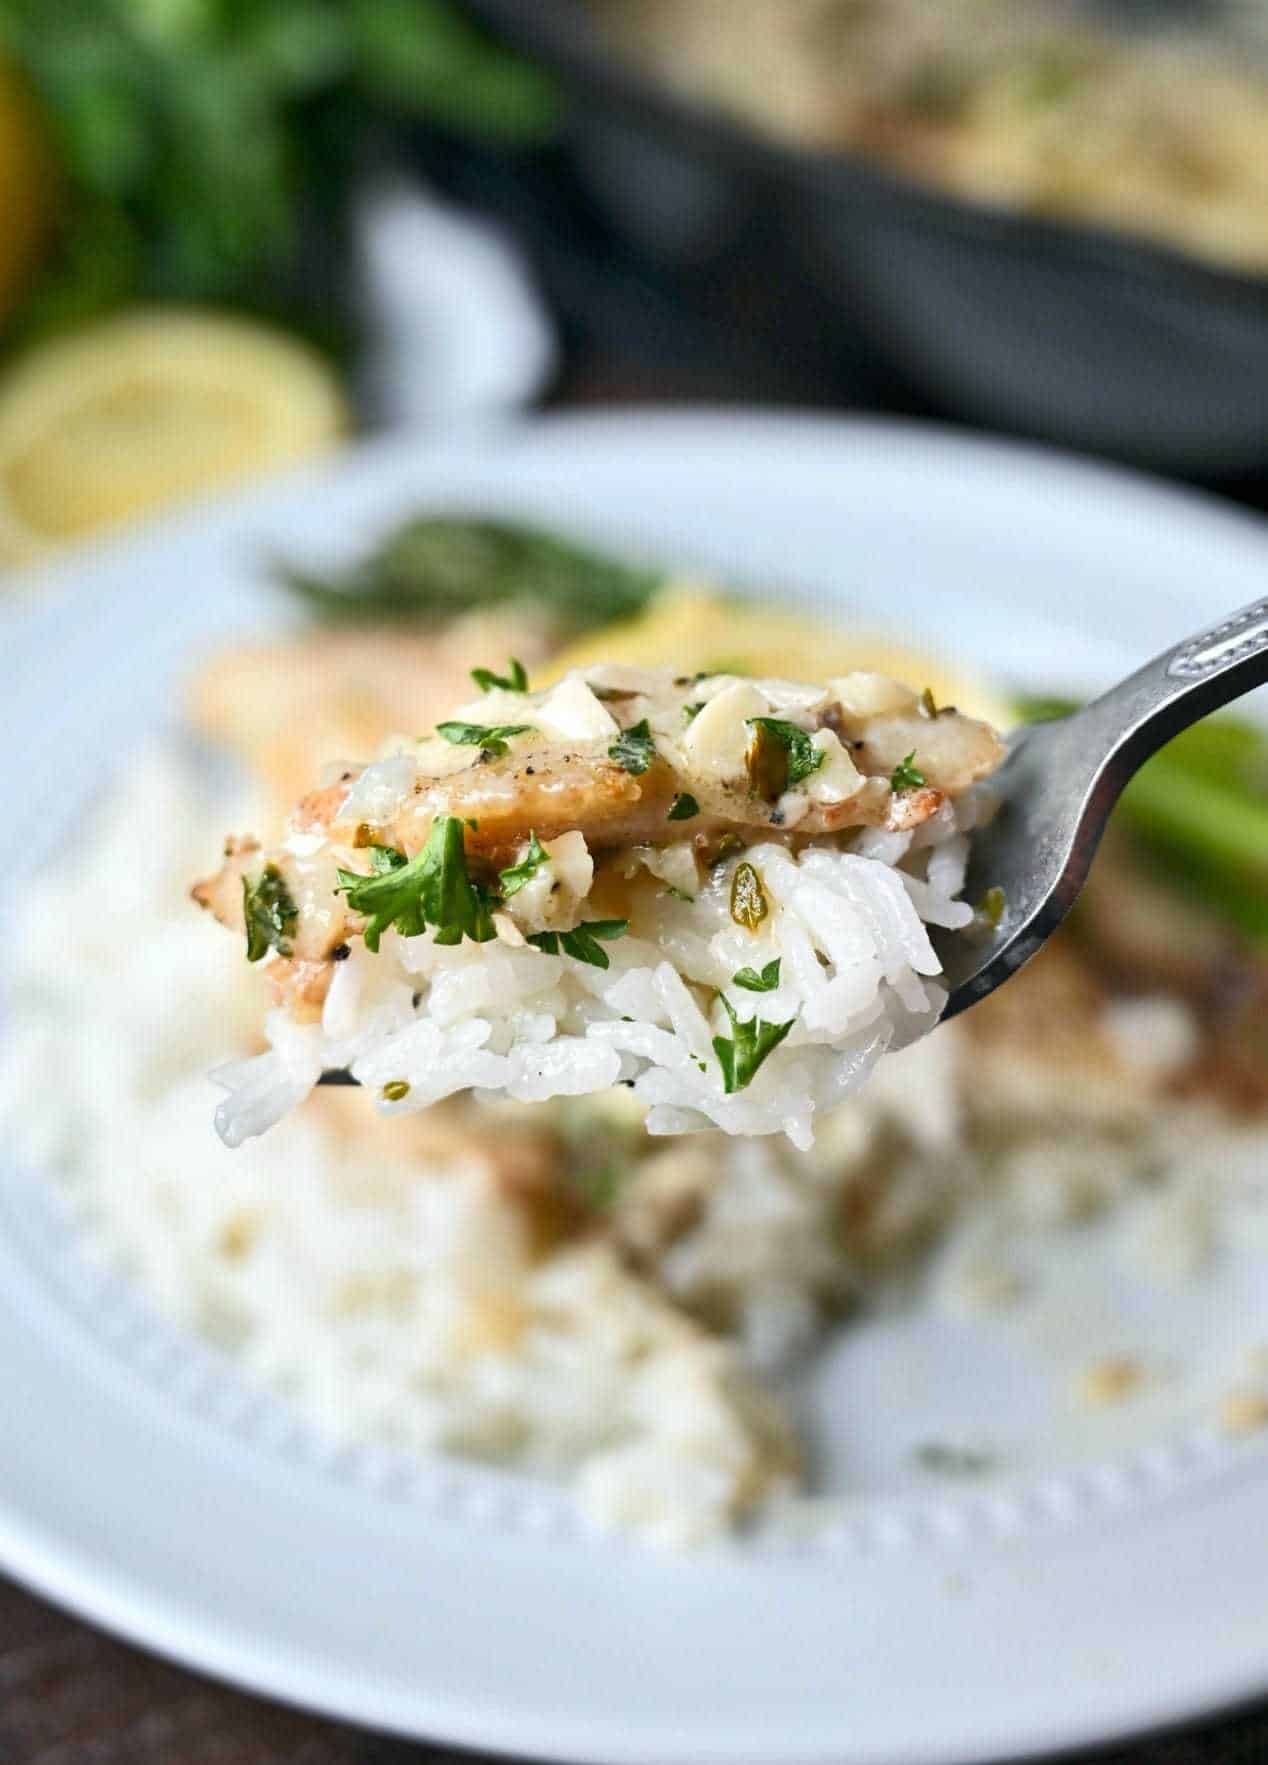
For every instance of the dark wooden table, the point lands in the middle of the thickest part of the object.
(70, 1695)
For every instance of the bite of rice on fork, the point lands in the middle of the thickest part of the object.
(711, 889)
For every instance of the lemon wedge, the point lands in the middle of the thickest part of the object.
(145, 409)
(692, 626)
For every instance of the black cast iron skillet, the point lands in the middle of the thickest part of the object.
(1074, 334)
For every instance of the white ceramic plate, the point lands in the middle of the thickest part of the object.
(1114, 1579)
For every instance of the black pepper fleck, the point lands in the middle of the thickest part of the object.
(341, 952)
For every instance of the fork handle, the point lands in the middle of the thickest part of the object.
(1178, 688)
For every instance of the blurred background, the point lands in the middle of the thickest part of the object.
(234, 230)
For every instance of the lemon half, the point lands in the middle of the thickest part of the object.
(146, 409)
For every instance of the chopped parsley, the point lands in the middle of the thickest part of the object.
(269, 912)
(395, 1090)
(491, 739)
(906, 776)
(928, 704)
(748, 898)
(753, 982)
(780, 755)
(634, 750)
(432, 888)
(692, 711)
(515, 681)
(581, 942)
(514, 878)
(683, 807)
(741, 1054)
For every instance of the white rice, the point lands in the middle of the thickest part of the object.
(858, 978)
(390, 1294)
(395, 1294)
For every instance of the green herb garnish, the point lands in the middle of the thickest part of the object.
(195, 141)
(270, 914)
(906, 776)
(433, 888)
(928, 704)
(683, 807)
(692, 711)
(490, 739)
(580, 943)
(514, 682)
(438, 567)
(514, 878)
(780, 755)
(634, 750)
(395, 1090)
(741, 1054)
(748, 898)
(753, 982)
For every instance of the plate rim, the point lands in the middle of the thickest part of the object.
(106, 1595)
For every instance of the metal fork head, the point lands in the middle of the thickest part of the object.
(1037, 851)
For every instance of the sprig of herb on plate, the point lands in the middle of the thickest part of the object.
(437, 567)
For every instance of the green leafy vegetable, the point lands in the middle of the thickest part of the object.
(196, 137)
(753, 982)
(270, 914)
(683, 808)
(1199, 808)
(780, 755)
(433, 888)
(436, 567)
(514, 682)
(741, 1054)
(748, 897)
(906, 776)
(514, 878)
(580, 943)
(634, 750)
(491, 739)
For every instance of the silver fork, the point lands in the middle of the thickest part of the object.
(1061, 779)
